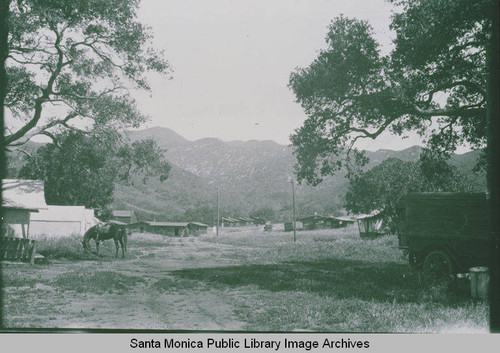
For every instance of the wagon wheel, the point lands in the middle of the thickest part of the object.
(438, 264)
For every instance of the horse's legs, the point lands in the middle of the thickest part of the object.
(116, 246)
(123, 248)
(125, 235)
(97, 246)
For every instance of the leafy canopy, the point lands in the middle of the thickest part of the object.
(384, 187)
(82, 169)
(71, 60)
(436, 74)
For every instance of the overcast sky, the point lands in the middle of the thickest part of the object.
(232, 60)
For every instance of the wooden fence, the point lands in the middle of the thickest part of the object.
(17, 249)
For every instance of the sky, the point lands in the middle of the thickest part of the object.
(232, 59)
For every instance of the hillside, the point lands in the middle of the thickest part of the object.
(252, 174)
(249, 175)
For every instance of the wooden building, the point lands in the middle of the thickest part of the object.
(197, 228)
(166, 228)
(125, 216)
(20, 198)
(337, 222)
(312, 222)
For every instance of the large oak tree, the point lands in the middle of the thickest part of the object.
(72, 60)
(436, 74)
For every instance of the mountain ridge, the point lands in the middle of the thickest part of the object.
(249, 175)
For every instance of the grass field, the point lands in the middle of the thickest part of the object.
(244, 279)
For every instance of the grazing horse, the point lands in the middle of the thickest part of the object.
(101, 232)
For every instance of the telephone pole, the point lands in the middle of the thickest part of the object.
(293, 207)
(217, 226)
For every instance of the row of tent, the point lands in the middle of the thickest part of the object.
(26, 214)
(368, 224)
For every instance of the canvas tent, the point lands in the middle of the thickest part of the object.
(20, 199)
(371, 224)
(61, 221)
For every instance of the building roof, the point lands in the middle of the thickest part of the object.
(23, 194)
(311, 218)
(167, 224)
(373, 214)
(344, 219)
(340, 218)
(122, 213)
(199, 224)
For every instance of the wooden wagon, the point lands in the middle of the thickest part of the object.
(445, 232)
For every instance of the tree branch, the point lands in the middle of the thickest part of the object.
(464, 111)
(42, 99)
(465, 83)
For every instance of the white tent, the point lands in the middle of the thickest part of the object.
(60, 221)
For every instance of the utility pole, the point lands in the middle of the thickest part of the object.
(293, 207)
(493, 117)
(217, 226)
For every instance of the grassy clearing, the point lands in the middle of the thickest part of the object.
(335, 281)
(329, 280)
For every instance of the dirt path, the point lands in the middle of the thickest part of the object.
(46, 301)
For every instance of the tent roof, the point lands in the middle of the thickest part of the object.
(23, 194)
(199, 224)
(61, 213)
(122, 213)
(373, 214)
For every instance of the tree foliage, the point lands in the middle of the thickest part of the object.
(70, 60)
(265, 213)
(384, 187)
(203, 214)
(82, 169)
(436, 74)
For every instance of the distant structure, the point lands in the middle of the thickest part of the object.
(320, 222)
(177, 229)
(125, 216)
(197, 228)
(229, 222)
(245, 221)
(20, 198)
(238, 222)
(166, 228)
(371, 225)
(338, 221)
(312, 222)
